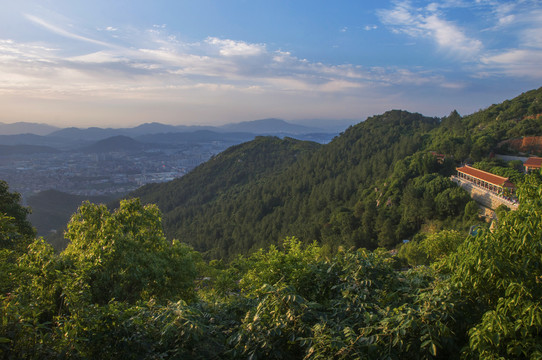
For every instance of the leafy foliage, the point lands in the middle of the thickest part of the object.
(431, 248)
(293, 301)
(500, 273)
(121, 256)
(124, 255)
(15, 229)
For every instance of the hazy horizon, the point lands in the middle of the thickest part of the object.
(326, 125)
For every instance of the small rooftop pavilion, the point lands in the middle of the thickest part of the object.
(532, 163)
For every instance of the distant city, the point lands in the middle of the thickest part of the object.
(100, 174)
(93, 161)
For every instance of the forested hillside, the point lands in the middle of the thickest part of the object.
(294, 198)
(120, 290)
(374, 185)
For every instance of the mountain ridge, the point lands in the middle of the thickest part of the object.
(24, 127)
(261, 127)
(374, 185)
(275, 205)
(270, 126)
(115, 143)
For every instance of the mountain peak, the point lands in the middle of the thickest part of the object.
(269, 126)
(115, 143)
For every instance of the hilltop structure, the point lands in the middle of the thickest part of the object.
(487, 189)
(491, 182)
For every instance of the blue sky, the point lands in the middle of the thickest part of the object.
(121, 63)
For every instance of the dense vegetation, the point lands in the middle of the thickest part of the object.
(304, 218)
(120, 290)
(207, 193)
(374, 185)
(296, 198)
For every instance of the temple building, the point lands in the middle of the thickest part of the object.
(532, 163)
(491, 182)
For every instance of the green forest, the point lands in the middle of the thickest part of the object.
(375, 185)
(284, 249)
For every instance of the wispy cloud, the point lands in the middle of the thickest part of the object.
(516, 63)
(449, 36)
(63, 32)
(158, 60)
(429, 22)
(522, 19)
(504, 13)
(524, 59)
(214, 77)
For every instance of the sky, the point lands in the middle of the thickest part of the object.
(210, 62)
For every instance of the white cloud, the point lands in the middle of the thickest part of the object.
(532, 38)
(531, 34)
(504, 14)
(450, 37)
(429, 23)
(402, 18)
(517, 63)
(506, 20)
(155, 59)
(236, 48)
(171, 66)
(523, 58)
(335, 86)
(497, 19)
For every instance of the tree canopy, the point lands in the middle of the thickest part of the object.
(478, 296)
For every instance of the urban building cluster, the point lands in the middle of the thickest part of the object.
(106, 173)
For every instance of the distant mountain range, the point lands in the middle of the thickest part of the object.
(154, 133)
(26, 128)
(269, 126)
(263, 127)
(39, 140)
(115, 143)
